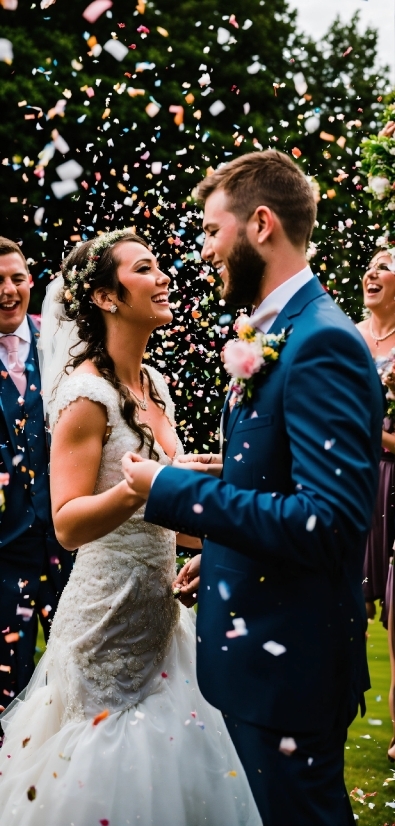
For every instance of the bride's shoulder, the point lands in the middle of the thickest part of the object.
(85, 382)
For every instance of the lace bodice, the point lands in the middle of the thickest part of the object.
(117, 614)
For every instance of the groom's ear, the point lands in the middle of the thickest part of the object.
(262, 223)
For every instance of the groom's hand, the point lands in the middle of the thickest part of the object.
(139, 473)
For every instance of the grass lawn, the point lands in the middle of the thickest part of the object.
(367, 767)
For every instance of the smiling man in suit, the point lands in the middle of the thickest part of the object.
(281, 620)
(33, 566)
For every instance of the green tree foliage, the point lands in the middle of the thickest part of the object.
(231, 73)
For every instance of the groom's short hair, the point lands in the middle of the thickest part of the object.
(7, 246)
(270, 179)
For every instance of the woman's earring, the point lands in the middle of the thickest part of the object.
(113, 308)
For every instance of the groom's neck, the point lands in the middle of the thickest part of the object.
(278, 270)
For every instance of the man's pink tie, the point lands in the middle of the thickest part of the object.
(16, 369)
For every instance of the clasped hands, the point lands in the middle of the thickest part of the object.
(139, 474)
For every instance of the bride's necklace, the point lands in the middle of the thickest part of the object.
(142, 403)
(377, 339)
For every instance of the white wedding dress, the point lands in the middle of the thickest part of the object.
(113, 729)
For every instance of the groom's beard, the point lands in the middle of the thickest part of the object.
(245, 272)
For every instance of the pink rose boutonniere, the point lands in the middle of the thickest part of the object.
(251, 353)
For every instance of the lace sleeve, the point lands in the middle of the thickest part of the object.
(163, 392)
(87, 386)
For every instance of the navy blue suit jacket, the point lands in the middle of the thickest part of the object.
(285, 528)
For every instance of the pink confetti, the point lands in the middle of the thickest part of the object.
(95, 9)
(197, 508)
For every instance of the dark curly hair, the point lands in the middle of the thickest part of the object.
(92, 329)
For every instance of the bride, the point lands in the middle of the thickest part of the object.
(112, 728)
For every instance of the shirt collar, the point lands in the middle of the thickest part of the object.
(23, 331)
(272, 305)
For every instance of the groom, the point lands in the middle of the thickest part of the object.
(281, 621)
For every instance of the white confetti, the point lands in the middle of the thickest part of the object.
(311, 523)
(365, 736)
(311, 124)
(224, 590)
(6, 53)
(60, 144)
(238, 457)
(197, 508)
(156, 167)
(240, 629)
(329, 443)
(287, 745)
(216, 108)
(373, 722)
(274, 648)
(62, 188)
(38, 216)
(69, 169)
(310, 761)
(222, 36)
(254, 68)
(139, 714)
(116, 49)
(17, 459)
(300, 83)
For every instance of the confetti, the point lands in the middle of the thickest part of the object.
(311, 523)
(95, 9)
(101, 716)
(12, 637)
(216, 108)
(224, 590)
(31, 793)
(62, 188)
(287, 745)
(6, 52)
(240, 629)
(117, 49)
(69, 169)
(197, 508)
(275, 648)
(300, 83)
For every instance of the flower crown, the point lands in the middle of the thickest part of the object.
(77, 277)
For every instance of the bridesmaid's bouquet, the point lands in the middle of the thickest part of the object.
(251, 353)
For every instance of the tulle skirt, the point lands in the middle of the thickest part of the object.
(167, 761)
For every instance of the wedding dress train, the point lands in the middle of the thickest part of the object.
(112, 728)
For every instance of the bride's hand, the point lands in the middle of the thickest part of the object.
(187, 583)
(210, 463)
(139, 473)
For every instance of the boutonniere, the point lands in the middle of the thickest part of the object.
(251, 353)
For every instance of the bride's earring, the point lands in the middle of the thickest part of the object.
(113, 308)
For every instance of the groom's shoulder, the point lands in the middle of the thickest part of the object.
(323, 326)
(325, 316)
